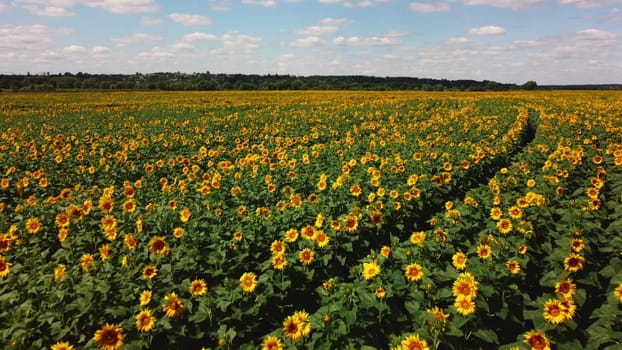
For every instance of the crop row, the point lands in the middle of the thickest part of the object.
(316, 220)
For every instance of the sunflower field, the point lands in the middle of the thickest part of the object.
(311, 220)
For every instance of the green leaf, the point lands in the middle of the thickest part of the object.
(412, 306)
(487, 335)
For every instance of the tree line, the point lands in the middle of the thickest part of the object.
(208, 81)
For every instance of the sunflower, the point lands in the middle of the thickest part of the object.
(59, 272)
(513, 266)
(279, 261)
(184, 215)
(62, 345)
(577, 245)
(104, 252)
(33, 225)
(86, 260)
(496, 213)
(139, 224)
(277, 247)
(565, 288)
(129, 192)
(376, 217)
(350, 223)
(569, 307)
(149, 272)
(129, 206)
(459, 260)
(385, 251)
(322, 239)
(484, 251)
(5, 267)
(438, 314)
(554, 312)
(464, 305)
(106, 204)
(303, 317)
(109, 337)
(145, 321)
(414, 342)
(537, 340)
(248, 282)
(465, 286)
(198, 287)
(380, 293)
(108, 222)
(515, 212)
(370, 270)
(271, 343)
(291, 235)
(414, 272)
(573, 263)
(158, 245)
(356, 190)
(130, 241)
(308, 232)
(504, 226)
(5, 243)
(522, 249)
(306, 256)
(62, 220)
(292, 328)
(174, 307)
(145, 297)
(417, 238)
(62, 234)
(178, 232)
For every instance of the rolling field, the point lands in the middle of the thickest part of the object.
(311, 220)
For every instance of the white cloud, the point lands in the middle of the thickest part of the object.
(428, 7)
(596, 35)
(190, 20)
(457, 41)
(50, 8)
(353, 3)
(328, 21)
(74, 49)
(318, 30)
(219, 5)
(123, 6)
(589, 4)
(197, 36)
(182, 46)
(48, 11)
(137, 38)
(150, 21)
(307, 42)
(262, 3)
(100, 51)
(510, 4)
(487, 30)
(237, 41)
(379, 40)
(27, 37)
(157, 53)
(58, 8)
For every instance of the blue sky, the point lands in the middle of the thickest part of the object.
(549, 41)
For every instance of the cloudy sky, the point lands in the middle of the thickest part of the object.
(549, 41)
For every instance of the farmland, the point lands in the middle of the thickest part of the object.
(319, 220)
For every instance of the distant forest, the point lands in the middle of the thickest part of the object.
(207, 81)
